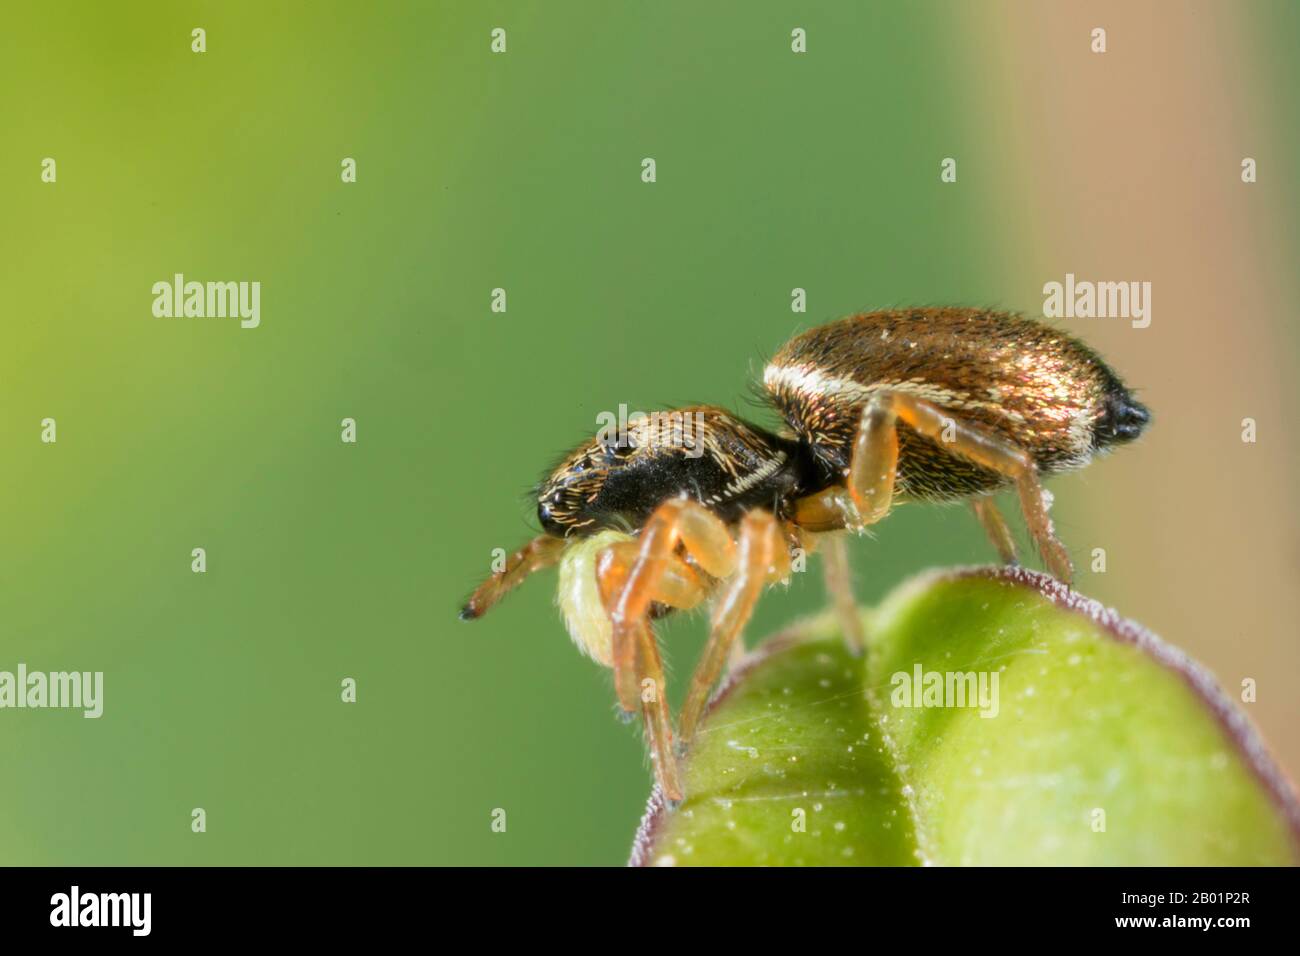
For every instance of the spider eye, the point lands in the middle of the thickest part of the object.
(547, 509)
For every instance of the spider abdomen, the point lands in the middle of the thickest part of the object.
(1019, 380)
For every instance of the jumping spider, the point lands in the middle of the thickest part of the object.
(936, 404)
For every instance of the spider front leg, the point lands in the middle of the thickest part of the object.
(762, 558)
(633, 575)
(654, 710)
(542, 552)
(678, 586)
(707, 540)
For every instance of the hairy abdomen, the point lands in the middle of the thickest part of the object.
(1023, 381)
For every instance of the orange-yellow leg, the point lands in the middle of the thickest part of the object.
(795, 541)
(762, 558)
(736, 656)
(654, 710)
(994, 453)
(678, 585)
(995, 526)
(542, 552)
(839, 586)
(870, 481)
(868, 491)
(709, 543)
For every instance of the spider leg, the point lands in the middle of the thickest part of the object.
(762, 558)
(542, 552)
(795, 540)
(870, 487)
(679, 586)
(708, 541)
(735, 656)
(839, 585)
(983, 448)
(654, 711)
(634, 574)
(868, 490)
(995, 526)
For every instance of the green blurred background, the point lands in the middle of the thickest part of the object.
(522, 171)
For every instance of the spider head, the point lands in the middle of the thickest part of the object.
(615, 480)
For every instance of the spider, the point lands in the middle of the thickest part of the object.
(930, 404)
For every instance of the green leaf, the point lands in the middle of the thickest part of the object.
(1108, 746)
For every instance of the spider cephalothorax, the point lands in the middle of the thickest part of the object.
(934, 404)
(702, 451)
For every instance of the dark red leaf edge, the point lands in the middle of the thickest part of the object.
(1238, 727)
